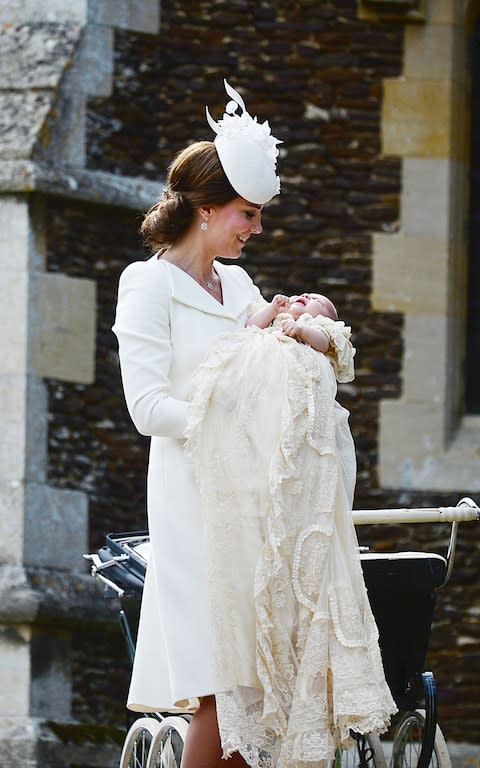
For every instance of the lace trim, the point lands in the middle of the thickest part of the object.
(341, 352)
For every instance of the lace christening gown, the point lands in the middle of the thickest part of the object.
(295, 642)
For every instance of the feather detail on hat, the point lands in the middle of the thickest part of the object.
(247, 151)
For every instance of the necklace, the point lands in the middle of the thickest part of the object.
(207, 284)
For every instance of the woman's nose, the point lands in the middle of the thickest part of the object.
(257, 228)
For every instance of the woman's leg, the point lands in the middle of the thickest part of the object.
(202, 747)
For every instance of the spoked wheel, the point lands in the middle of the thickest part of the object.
(151, 743)
(408, 741)
(136, 747)
(167, 746)
(367, 752)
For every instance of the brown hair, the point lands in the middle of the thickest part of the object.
(194, 178)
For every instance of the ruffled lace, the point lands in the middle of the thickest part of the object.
(295, 642)
(341, 352)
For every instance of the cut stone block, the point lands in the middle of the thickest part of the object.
(15, 670)
(13, 414)
(137, 15)
(426, 199)
(56, 527)
(416, 117)
(429, 51)
(23, 425)
(93, 68)
(22, 116)
(411, 442)
(425, 360)
(51, 683)
(12, 499)
(410, 274)
(35, 56)
(14, 293)
(63, 331)
(13, 11)
(22, 234)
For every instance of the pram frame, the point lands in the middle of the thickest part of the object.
(368, 750)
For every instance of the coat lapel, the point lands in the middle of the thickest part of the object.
(185, 290)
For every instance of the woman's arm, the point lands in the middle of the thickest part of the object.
(142, 326)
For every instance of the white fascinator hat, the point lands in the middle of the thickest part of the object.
(247, 151)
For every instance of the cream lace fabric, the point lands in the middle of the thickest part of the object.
(341, 352)
(295, 642)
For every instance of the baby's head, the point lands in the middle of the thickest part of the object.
(313, 304)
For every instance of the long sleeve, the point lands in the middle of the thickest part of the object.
(142, 326)
(341, 352)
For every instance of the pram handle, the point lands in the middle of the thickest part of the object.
(97, 567)
(456, 514)
(465, 510)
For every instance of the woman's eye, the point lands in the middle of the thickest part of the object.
(249, 214)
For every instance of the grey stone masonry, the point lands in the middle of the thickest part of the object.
(53, 57)
(77, 183)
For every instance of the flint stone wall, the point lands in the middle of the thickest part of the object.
(315, 71)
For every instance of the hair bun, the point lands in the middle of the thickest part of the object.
(167, 220)
(195, 178)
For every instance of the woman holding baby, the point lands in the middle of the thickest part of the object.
(254, 614)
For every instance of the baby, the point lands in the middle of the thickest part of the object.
(312, 319)
(312, 304)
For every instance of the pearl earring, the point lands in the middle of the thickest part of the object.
(204, 226)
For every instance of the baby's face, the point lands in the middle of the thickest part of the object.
(311, 303)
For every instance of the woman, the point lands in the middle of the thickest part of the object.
(169, 310)
(241, 679)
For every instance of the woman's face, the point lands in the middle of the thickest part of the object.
(231, 225)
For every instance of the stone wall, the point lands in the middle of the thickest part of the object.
(315, 70)
(53, 56)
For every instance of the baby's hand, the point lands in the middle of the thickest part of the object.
(291, 328)
(280, 303)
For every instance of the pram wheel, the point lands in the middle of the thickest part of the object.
(408, 741)
(151, 743)
(367, 752)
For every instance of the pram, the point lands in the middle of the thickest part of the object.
(398, 584)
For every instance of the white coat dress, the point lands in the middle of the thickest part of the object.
(165, 321)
